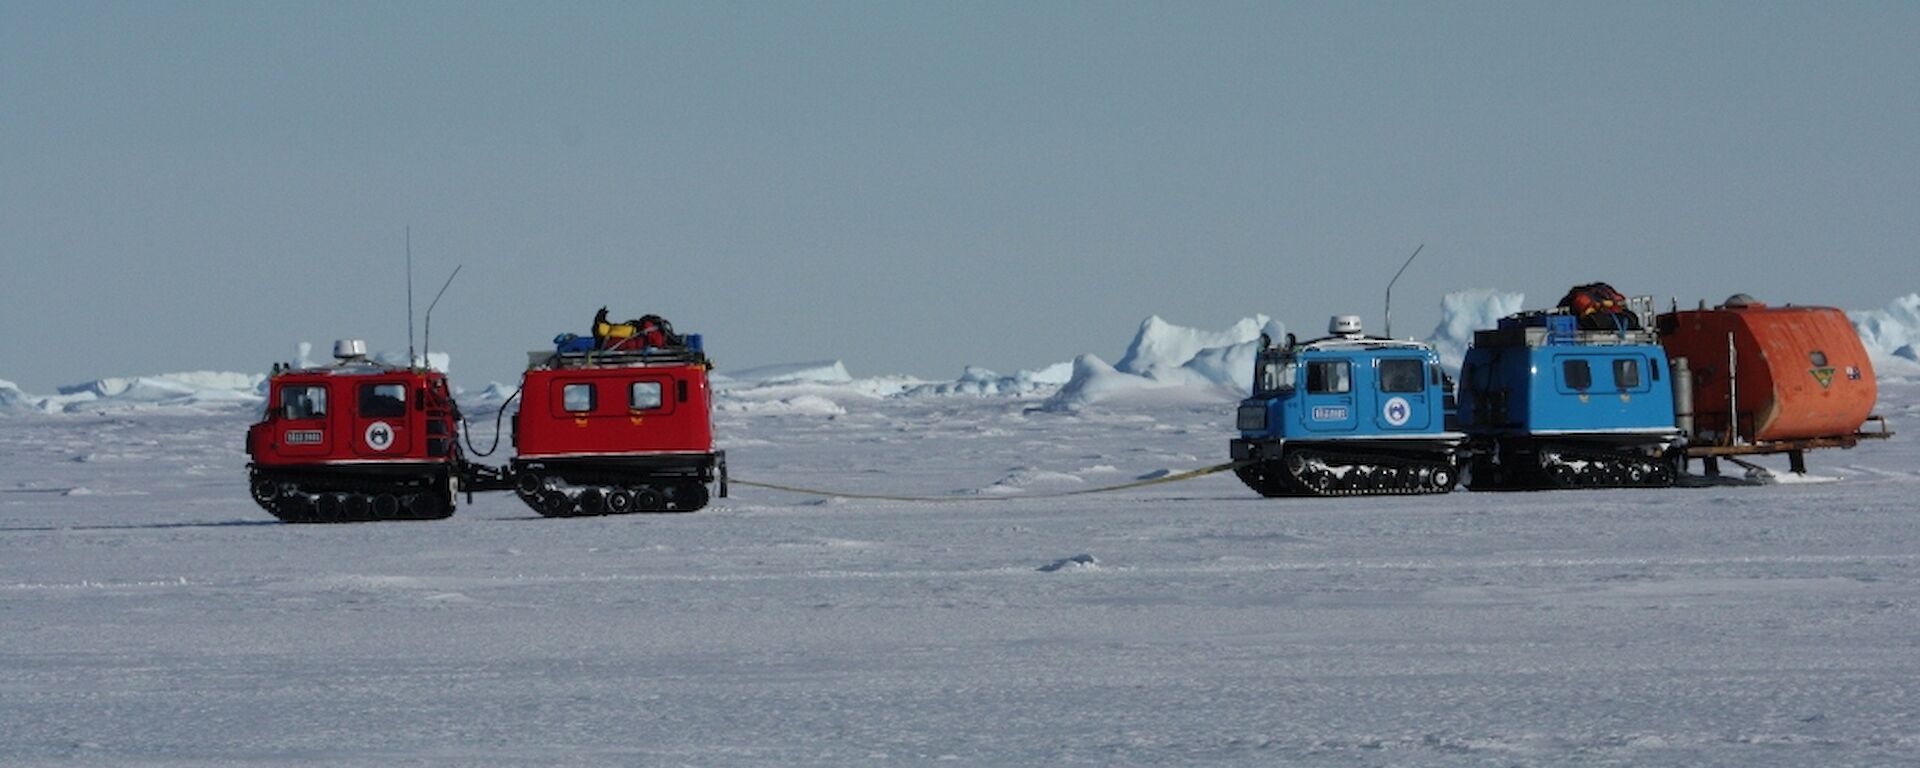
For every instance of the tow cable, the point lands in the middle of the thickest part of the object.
(1173, 478)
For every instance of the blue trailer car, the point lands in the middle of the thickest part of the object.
(1551, 403)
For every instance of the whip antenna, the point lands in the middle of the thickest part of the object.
(411, 359)
(1396, 278)
(428, 345)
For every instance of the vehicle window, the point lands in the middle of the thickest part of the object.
(643, 395)
(303, 402)
(1818, 358)
(1402, 375)
(1576, 374)
(383, 401)
(1278, 375)
(1329, 377)
(577, 398)
(1626, 373)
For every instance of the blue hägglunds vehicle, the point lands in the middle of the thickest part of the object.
(1570, 397)
(1347, 415)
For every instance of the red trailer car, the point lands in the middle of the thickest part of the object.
(611, 432)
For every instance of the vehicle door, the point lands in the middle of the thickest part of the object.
(1327, 400)
(303, 423)
(1403, 402)
(380, 410)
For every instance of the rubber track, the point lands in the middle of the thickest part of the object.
(1279, 479)
(574, 509)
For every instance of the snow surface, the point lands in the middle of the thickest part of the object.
(153, 615)
(150, 614)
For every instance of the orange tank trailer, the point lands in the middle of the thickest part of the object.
(1800, 372)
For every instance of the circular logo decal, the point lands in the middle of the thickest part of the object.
(379, 436)
(1397, 411)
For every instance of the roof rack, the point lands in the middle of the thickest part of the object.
(640, 358)
(1555, 327)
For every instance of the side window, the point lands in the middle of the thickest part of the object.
(1818, 358)
(1329, 377)
(643, 395)
(1403, 376)
(1576, 374)
(383, 401)
(303, 402)
(1626, 373)
(577, 398)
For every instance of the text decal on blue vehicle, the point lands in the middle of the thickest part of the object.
(1329, 413)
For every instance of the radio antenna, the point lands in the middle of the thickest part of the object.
(428, 346)
(1396, 278)
(412, 361)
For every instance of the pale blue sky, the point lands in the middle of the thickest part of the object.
(912, 187)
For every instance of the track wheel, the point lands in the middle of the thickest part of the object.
(294, 508)
(648, 499)
(593, 501)
(687, 497)
(619, 502)
(529, 484)
(264, 491)
(329, 508)
(556, 504)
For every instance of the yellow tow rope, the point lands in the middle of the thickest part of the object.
(1173, 478)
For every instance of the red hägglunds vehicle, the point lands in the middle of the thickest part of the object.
(354, 441)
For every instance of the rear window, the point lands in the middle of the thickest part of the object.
(383, 401)
(643, 395)
(1626, 373)
(577, 398)
(1577, 374)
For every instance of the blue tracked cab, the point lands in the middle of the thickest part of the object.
(1347, 415)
